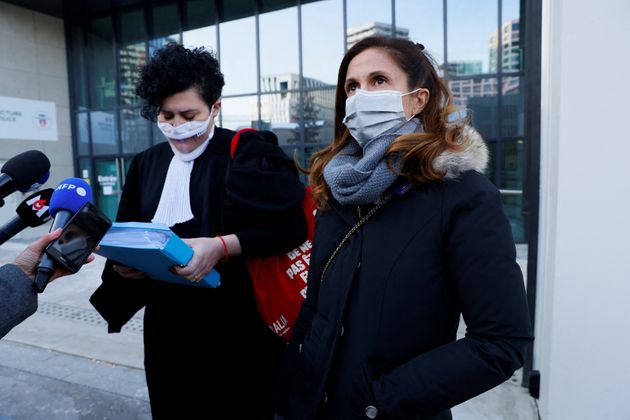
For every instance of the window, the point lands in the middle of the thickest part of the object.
(77, 60)
(165, 26)
(103, 130)
(368, 17)
(512, 49)
(134, 131)
(472, 32)
(424, 25)
(322, 49)
(239, 112)
(200, 14)
(201, 30)
(132, 54)
(102, 64)
(279, 44)
(238, 56)
(83, 135)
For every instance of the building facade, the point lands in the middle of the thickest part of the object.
(280, 68)
(357, 33)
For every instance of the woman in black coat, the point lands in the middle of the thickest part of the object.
(376, 336)
(206, 350)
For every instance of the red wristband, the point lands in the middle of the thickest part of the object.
(225, 248)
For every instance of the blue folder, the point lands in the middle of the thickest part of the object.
(152, 248)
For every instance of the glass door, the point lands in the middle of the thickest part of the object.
(108, 186)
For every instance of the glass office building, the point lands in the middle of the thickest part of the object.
(280, 59)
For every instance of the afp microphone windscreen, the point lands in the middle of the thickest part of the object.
(27, 170)
(70, 195)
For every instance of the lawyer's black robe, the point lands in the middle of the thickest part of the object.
(208, 354)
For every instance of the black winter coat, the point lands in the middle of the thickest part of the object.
(377, 335)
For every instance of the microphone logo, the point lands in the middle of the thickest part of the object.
(38, 204)
(79, 190)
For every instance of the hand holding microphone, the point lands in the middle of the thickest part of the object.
(69, 196)
(29, 258)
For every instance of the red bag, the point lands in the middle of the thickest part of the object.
(279, 281)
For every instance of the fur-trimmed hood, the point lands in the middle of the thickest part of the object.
(472, 156)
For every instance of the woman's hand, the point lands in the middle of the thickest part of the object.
(128, 272)
(207, 253)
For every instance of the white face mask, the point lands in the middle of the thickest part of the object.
(184, 131)
(371, 113)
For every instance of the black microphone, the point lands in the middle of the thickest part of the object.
(25, 172)
(33, 211)
(69, 196)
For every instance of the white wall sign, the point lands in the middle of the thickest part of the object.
(25, 119)
(103, 128)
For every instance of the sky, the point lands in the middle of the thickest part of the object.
(470, 24)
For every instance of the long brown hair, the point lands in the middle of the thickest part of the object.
(416, 150)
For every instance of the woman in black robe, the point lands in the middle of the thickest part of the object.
(207, 352)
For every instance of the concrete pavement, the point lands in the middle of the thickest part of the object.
(62, 364)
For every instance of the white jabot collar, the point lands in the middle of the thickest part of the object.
(174, 205)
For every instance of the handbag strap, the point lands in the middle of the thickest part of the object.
(356, 227)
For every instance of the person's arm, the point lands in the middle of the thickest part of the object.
(265, 195)
(207, 252)
(265, 215)
(281, 234)
(18, 299)
(481, 259)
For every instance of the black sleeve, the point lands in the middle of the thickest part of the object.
(278, 235)
(300, 329)
(18, 299)
(117, 299)
(481, 258)
(265, 196)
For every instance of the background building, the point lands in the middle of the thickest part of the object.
(357, 33)
(511, 52)
(280, 112)
(463, 68)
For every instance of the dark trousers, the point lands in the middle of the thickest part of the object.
(200, 367)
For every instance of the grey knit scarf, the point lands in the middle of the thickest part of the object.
(358, 176)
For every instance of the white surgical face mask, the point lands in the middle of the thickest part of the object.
(372, 113)
(184, 131)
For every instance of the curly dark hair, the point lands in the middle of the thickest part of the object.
(173, 69)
